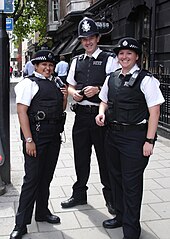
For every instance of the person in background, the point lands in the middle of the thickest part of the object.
(130, 106)
(10, 71)
(28, 69)
(86, 77)
(40, 106)
(62, 68)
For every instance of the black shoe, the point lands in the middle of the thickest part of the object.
(111, 223)
(72, 202)
(48, 218)
(18, 232)
(111, 210)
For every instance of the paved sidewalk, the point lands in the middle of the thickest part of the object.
(85, 221)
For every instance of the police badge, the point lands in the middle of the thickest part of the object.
(86, 26)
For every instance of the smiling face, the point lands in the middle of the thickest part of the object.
(127, 59)
(45, 68)
(90, 44)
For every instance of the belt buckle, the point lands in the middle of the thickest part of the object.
(117, 127)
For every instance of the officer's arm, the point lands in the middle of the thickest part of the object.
(71, 90)
(24, 120)
(100, 118)
(154, 113)
(102, 107)
(25, 127)
(64, 91)
(74, 93)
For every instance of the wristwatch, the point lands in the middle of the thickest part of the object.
(28, 140)
(150, 141)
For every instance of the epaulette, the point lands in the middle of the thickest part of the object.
(81, 57)
(112, 54)
(26, 76)
(32, 77)
(147, 73)
(115, 72)
(78, 57)
(119, 69)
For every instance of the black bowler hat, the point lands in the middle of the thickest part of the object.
(87, 27)
(43, 55)
(128, 43)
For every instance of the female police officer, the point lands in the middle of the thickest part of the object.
(40, 105)
(132, 99)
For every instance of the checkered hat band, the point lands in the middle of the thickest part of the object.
(40, 58)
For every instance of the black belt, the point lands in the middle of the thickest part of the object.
(130, 127)
(50, 121)
(89, 109)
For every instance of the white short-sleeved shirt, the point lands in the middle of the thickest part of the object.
(111, 65)
(149, 86)
(62, 68)
(26, 89)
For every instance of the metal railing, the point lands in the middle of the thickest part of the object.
(165, 108)
(163, 76)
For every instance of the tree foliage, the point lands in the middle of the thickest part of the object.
(30, 16)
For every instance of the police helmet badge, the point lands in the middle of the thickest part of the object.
(50, 56)
(86, 26)
(125, 43)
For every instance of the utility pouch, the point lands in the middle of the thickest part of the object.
(63, 121)
(73, 107)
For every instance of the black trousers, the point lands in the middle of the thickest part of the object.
(86, 134)
(126, 165)
(38, 173)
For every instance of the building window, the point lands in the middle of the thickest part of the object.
(55, 10)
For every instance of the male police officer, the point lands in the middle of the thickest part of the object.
(86, 77)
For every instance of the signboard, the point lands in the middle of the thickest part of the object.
(9, 24)
(104, 27)
(1, 5)
(7, 6)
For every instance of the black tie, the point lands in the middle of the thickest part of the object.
(126, 77)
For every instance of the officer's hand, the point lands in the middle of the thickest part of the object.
(90, 91)
(100, 118)
(31, 149)
(64, 90)
(77, 96)
(147, 149)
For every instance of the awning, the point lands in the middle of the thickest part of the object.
(55, 46)
(60, 47)
(72, 45)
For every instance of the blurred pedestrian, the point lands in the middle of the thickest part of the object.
(62, 68)
(28, 69)
(10, 71)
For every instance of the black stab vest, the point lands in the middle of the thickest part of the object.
(126, 104)
(91, 72)
(48, 99)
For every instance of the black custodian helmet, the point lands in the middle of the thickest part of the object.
(87, 27)
(128, 43)
(43, 55)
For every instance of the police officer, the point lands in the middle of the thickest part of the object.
(86, 77)
(40, 105)
(131, 99)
